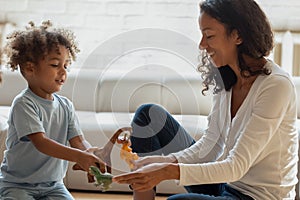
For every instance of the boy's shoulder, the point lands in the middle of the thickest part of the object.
(62, 99)
(28, 97)
(23, 96)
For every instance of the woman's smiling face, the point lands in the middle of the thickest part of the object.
(219, 44)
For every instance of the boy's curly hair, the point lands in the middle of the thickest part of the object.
(35, 42)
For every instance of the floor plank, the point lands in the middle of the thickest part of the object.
(81, 195)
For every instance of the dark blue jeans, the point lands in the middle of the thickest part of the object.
(156, 132)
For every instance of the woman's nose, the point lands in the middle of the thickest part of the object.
(202, 44)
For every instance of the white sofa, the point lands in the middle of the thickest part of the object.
(105, 100)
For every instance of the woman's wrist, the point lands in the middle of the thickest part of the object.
(173, 171)
(170, 159)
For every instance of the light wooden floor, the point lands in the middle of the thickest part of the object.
(78, 195)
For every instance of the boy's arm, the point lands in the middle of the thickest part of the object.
(57, 150)
(79, 142)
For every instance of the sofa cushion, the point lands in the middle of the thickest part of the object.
(124, 92)
(11, 85)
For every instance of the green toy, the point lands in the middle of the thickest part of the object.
(103, 180)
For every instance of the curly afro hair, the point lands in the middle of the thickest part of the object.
(35, 42)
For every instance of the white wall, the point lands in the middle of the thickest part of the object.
(99, 24)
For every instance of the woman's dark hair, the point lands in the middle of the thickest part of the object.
(32, 44)
(253, 27)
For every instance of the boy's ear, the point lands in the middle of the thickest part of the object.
(27, 68)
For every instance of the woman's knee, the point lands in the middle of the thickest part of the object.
(144, 108)
(192, 196)
(182, 197)
(142, 114)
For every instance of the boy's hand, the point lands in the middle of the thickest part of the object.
(87, 159)
(101, 165)
(103, 154)
(89, 176)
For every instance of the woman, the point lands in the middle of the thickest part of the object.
(249, 150)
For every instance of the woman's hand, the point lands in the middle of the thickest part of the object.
(143, 161)
(149, 176)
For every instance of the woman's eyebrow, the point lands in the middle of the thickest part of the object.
(207, 29)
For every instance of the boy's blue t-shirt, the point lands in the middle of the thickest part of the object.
(23, 163)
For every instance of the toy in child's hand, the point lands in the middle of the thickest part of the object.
(103, 180)
(126, 152)
(104, 154)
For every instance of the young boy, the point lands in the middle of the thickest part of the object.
(41, 123)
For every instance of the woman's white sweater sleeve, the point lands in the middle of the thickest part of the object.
(208, 147)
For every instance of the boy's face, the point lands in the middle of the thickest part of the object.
(48, 76)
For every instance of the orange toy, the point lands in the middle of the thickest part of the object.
(121, 136)
(126, 152)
